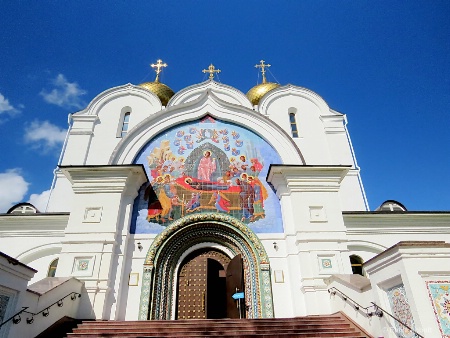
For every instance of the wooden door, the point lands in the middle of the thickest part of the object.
(199, 285)
(235, 283)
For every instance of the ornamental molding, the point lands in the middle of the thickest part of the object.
(110, 94)
(207, 104)
(290, 89)
(157, 299)
(35, 223)
(195, 219)
(39, 251)
(364, 245)
(196, 90)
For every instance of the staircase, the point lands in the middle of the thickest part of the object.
(336, 325)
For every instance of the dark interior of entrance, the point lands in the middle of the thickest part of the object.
(216, 302)
(203, 284)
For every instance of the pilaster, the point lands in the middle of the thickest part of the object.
(103, 195)
(79, 140)
(310, 197)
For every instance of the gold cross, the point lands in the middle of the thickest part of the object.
(211, 70)
(158, 67)
(263, 71)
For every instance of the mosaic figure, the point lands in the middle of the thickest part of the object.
(206, 167)
(221, 202)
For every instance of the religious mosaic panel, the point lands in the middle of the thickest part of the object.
(439, 293)
(401, 310)
(209, 166)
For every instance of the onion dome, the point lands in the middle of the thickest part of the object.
(257, 92)
(161, 90)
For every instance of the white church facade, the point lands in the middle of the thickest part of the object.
(167, 205)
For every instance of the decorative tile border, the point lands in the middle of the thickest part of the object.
(159, 268)
(401, 310)
(439, 293)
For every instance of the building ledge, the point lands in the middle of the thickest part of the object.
(47, 284)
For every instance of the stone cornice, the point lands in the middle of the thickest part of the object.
(33, 223)
(105, 179)
(83, 124)
(333, 124)
(34, 233)
(359, 223)
(305, 178)
(408, 249)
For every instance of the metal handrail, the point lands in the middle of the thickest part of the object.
(377, 307)
(17, 314)
(356, 305)
(45, 312)
(378, 311)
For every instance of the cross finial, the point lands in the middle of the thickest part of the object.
(211, 70)
(159, 64)
(263, 70)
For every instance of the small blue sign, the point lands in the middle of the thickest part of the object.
(238, 295)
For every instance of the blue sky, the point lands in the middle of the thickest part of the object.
(385, 64)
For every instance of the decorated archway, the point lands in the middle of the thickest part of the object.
(160, 267)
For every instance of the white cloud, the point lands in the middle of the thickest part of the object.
(13, 188)
(40, 200)
(44, 135)
(8, 108)
(5, 106)
(66, 94)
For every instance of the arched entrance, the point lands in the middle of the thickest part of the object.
(206, 283)
(212, 236)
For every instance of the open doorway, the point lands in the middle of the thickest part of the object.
(206, 282)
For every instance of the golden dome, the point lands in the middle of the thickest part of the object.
(159, 89)
(257, 92)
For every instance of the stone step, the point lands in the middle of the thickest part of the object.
(197, 331)
(336, 326)
(226, 320)
(224, 326)
(221, 334)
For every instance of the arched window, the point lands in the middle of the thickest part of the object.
(357, 265)
(52, 268)
(23, 208)
(126, 121)
(294, 130)
(391, 205)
